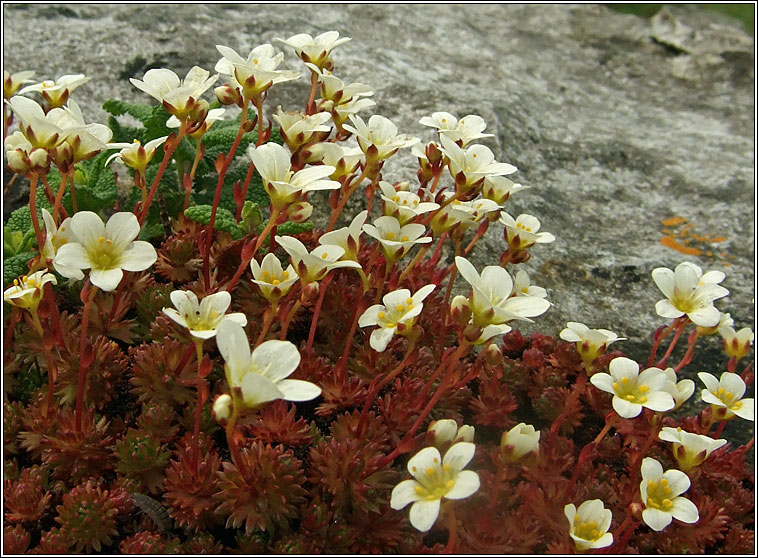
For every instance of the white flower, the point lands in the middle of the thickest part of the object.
(342, 111)
(689, 291)
(202, 318)
(347, 238)
(661, 496)
(478, 208)
(379, 138)
(345, 160)
(500, 189)
(298, 129)
(106, 249)
(27, 293)
(633, 390)
(84, 140)
(314, 265)
(446, 431)
(334, 90)
(466, 130)
(681, 391)
(434, 480)
(214, 115)
(591, 343)
(272, 280)
(13, 82)
(725, 395)
(736, 343)
(34, 124)
(135, 155)
(405, 206)
(178, 96)
(222, 407)
(395, 241)
(523, 287)
(260, 376)
(521, 232)
(520, 441)
(469, 167)
(256, 73)
(589, 524)
(55, 237)
(396, 315)
(315, 50)
(689, 449)
(57, 92)
(272, 161)
(492, 302)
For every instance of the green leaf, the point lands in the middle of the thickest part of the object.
(290, 229)
(225, 220)
(15, 266)
(138, 111)
(99, 190)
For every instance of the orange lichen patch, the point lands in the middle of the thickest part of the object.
(717, 239)
(672, 221)
(670, 242)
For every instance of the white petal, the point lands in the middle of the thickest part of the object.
(710, 381)
(138, 257)
(678, 481)
(651, 469)
(656, 519)
(298, 390)
(72, 256)
(602, 381)
(624, 408)
(665, 309)
(106, 279)
(380, 338)
(705, 317)
(659, 401)
(122, 228)
(424, 514)
(459, 455)
(237, 317)
(466, 483)
(219, 302)
(276, 359)
(468, 271)
(371, 315)
(403, 494)
(427, 457)
(88, 227)
(684, 510)
(746, 410)
(257, 390)
(732, 383)
(234, 347)
(176, 316)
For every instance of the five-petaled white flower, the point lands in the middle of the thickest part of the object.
(273, 281)
(661, 496)
(315, 50)
(178, 96)
(272, 161)
(55, 237)
(135, 155)
(203, 317)
(725, 396)
(470, 166)
(680, 390)
(56, 92)
(259, 376)
(34, 124)
(434, 479)
(500, 189)
(256, 73)
(82, 141)
(519, 441)
(689, 291)
(736, 343)
(465, 130)
(27, 292)
(334, 90)
(689, 449)
(299, 129)
(107, 250)
(522, 286)
(403, 205)
(588, 525)
(13, 82)
(347, 238)
(396, 315)
(379, 138)
(492, 300)
(591, 343)
(314, 265)
(345, 160)
(521, 232)
(394, 240)
(633, 390)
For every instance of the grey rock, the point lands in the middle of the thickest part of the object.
(616, 122)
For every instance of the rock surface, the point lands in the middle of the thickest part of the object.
(617, 122)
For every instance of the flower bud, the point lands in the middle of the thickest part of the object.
(299, 212)
(228, 95)
(309, 293)
(222, 407)
(39, 159)
(18, 161)
(493, 355)
(519, 441)
(460, 310)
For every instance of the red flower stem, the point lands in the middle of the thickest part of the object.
(442, 206)
(479, 234)
(217, 196)
(188, 179)
(579, 386)
(231, 439)
(33, 179)
(352, 186)
(245, 187)
(746, 374)
(376, 386)
(317, 310)
(116, 300)
(270, 226)
(414, 261)
(166, 158)
(285, 326)
(48, 191)
(51, 372)
(380, 286)
(677, 334)
(660, 334)
(452, 530)
(82, 347)
(199, 408)
(438, 249)
(436, 180)
(15, 317)
(59, 196)
(444, 384)
(268, 318)
(258, 102)
(687, 358)
(720, 429)
(310, 107)
(655, 428)
(349, 342)
(584, 455)
(623, 533)
(49, 298)
(74, 204)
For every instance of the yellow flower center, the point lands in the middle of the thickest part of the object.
(587, 530)
(435, 481)
(658, 495)
(630, 391)
(103, 256)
